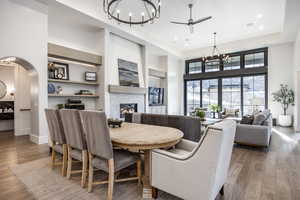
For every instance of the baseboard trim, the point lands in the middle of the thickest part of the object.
(39, 139)
(21, 132)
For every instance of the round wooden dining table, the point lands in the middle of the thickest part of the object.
(142, 137)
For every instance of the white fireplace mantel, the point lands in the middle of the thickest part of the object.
(126, 90)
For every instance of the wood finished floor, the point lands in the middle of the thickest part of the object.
(255, 173)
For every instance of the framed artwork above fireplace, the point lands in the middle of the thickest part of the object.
(128, 73)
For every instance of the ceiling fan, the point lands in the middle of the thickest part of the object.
(191, 22)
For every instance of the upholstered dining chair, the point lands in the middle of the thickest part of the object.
(58, 139)
(101, 153)
(194, 171)
(77, 148)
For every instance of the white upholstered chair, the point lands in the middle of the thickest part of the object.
(196, 171)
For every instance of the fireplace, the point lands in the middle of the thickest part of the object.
(127, 108)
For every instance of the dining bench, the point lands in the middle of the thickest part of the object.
(190, 126)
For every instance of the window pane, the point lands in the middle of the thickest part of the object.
(255, 60)
(195, 67)
(193, 95)
(254, 93)
(209, 92)
(231, 93)
(212, 65)
(233, 63)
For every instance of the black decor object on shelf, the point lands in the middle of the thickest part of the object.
(90, 76)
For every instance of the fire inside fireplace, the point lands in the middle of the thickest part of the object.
(127, 108)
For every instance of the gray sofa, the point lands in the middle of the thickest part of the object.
(190, 126)
(255, 134)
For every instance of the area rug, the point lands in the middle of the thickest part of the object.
(47, 184)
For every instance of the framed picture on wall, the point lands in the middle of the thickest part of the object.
(58, 70)
(90, 76)
(128, 73)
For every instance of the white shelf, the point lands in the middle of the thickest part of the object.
(52, 59)
(73, 82)
(73, 95)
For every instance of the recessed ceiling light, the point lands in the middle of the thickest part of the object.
(259, 16)
(261, 27)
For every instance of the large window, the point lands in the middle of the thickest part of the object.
(212, 65)
(195, 67)
(240, 83)
(254, 94)
(231, 93)
(255, 60)
(209, 92)
(233, 62)
(193, 95)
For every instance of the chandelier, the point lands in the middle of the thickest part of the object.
(216, 53)
(148, 11)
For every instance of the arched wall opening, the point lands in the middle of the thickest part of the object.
(26, 112)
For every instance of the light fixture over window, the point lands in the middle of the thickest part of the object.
(143, 11)
(216, 53)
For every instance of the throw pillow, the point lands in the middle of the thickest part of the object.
(248, 119)
(259, 119)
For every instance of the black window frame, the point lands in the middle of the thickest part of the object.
(242, 72)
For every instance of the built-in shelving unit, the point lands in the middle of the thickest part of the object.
(78, 62)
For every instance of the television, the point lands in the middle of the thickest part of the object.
(156, 96)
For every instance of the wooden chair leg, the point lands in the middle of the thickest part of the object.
(110, 179)
(53, 157)
(65, 160)
(91, 174)
(154, 193)
(84, 167)
(222, 191)
(139, 171)
(69, 169)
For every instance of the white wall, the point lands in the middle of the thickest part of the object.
(126, 50)
(280, 71)
(175, 86)
(297, 81)
(29, 42)
(23, 101)
(280, 68)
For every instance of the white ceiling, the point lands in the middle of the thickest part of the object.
(230, 19)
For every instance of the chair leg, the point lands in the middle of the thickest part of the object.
(84, 167)
(91, 173)
(53, 157)
(69, 169)
(65, 160)
(139, 171)
(222, 191)
(110, 179)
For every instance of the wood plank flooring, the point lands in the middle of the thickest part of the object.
(255, 173)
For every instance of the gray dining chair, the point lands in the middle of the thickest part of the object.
(101, 153)
(77, 148)
(58, 139)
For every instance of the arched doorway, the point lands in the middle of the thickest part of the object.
(25, 95)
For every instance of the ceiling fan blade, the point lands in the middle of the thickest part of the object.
(202, 20)
(191, 29)
(182, 23)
